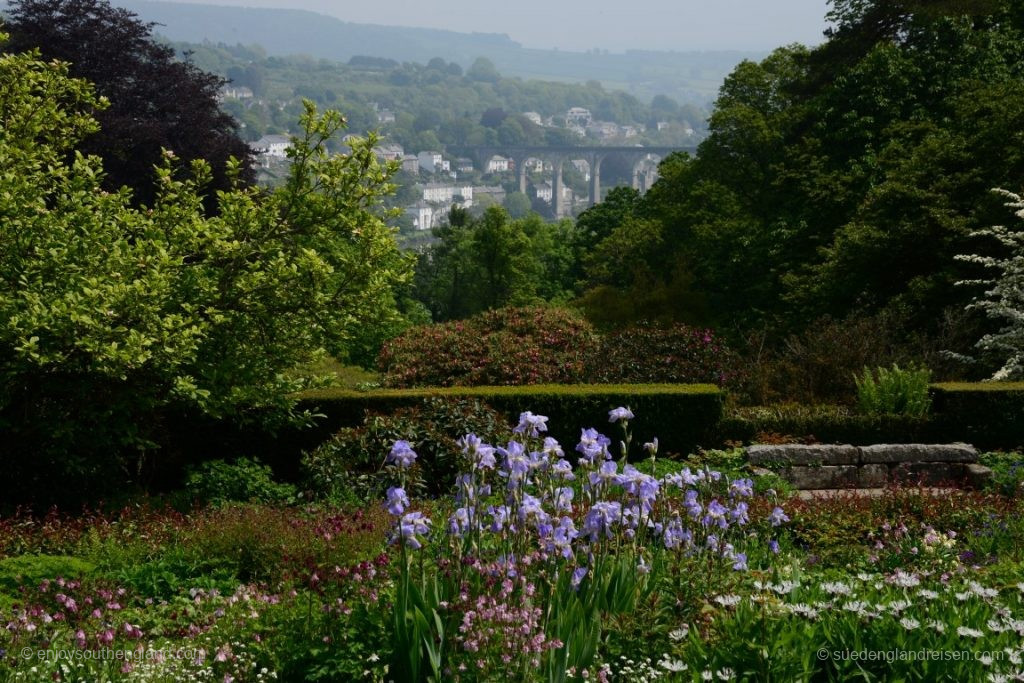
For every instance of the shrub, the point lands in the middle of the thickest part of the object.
(348, 467)
(817, 364)
(684, 416)
(501, 347)
(242, 481)
(649, 353)
(987, 414)
(894, 391)
(1007, 472)
(794, 422)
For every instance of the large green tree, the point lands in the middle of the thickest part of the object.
(845, 178)
(111, 315)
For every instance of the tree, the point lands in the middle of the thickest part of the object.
(156, 101)
(483, 70)
(112, 317)
(1004, 298)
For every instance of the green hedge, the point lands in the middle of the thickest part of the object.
(989, 415)
(682, 416)
(824, 424)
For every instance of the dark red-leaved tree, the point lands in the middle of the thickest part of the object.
(156, 100)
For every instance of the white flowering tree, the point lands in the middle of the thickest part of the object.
(1003, 298)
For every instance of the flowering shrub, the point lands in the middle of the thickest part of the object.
(646, 353)
(541, 547)
(508, 346)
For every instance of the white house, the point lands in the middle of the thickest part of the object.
(578, 115)
(533, 117)
(422, 215)
(602, 130)
(274, 146)
(385, 116)
(544, 191)
(443, 193)
(235, 92)
(432, 162)
(497, 164)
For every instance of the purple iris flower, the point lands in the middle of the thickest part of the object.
(401, 454)
(397, 500)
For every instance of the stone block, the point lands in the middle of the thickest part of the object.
(917, 452)
(873, 476)
(977, 476)
(929, 473)
(799, 454)
(822, 477)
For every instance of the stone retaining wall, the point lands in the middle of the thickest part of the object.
(845, 466)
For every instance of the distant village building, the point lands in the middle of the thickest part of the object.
(273, 146)
(390, 151)
(602, 130)
(235, 92)
(385, 116)
(544, 191)
(578, 116)
(422, 215)
(537, 165)
(497, 164)
(433, 162)
(444, 193)
(662, 125)
(464, 165)
(533, 117)
(495, 192)
(631, 131)
(411, 163)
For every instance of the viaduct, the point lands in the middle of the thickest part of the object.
(557, 156)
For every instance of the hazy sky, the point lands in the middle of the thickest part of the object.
(584, 24)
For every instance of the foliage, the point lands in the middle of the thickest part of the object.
(986, 414)
(1007, 471)
(112, 314)
(494, 262)
(217, 482)
(1004, 300)
(517, 555)
(348, 467)
(30, 570)
(894, 391)
(675, 354)
(827, 423)
(683, 414)
(843, 179)
(506, 346)
(157, 102)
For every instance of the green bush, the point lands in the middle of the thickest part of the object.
(508, 346)
(682, 416)
(674, 354)
(243, 481)
(989, 415)
(894, 391)
(348, 468)
(1007, 471)
(821, 423)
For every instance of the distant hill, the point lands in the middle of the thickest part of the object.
(685, 76)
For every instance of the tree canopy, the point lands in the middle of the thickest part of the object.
(157, 102)
(111, 315)
(844, 178)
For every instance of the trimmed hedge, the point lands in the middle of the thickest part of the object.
(682, 416)
(989, 415)
(823, 424)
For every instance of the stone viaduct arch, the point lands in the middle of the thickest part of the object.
(637, 156)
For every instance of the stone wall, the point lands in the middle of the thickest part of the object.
(864, 467)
